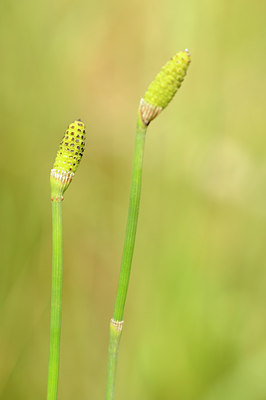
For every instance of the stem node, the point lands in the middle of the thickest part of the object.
(118, 325)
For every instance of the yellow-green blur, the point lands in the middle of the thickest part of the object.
(195, 326)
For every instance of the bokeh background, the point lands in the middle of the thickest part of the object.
(195, 322)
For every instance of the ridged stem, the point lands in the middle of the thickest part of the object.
(115, 335)
(132, 221)
(130, 235)
(56, 300)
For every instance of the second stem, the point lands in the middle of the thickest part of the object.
(130, 236)
(132, 221)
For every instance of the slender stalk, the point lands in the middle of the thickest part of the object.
(114, 340)
(132, 221)
(56, 300)
(133, 212)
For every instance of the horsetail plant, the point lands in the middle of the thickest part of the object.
(66, 163)
(157, 97)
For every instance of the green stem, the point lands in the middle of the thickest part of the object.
(132, 221)
(115, 335)
(56, 299)
(133, 212)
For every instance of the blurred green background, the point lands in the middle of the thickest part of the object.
(195, 325)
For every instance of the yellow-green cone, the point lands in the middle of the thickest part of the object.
(164, 87)
(68, 157)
